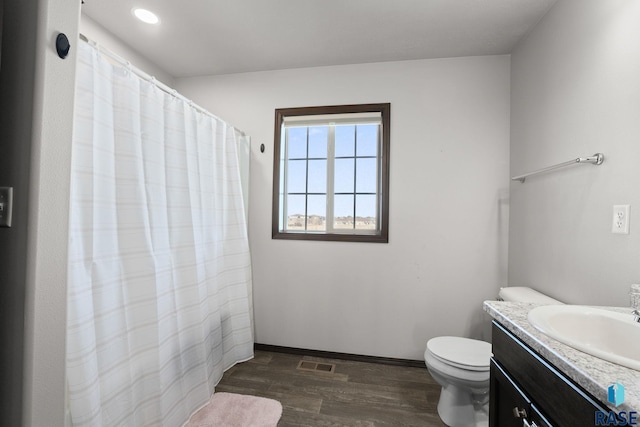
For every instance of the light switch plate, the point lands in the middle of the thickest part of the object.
(6, 206)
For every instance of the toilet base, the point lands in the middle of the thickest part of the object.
(459, 408)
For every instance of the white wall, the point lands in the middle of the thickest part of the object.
(95, 32)
(575, 92)
(46, 287)
(448, 210)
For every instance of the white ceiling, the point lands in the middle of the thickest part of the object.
(206, 37)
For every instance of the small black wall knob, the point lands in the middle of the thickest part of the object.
(62, 45)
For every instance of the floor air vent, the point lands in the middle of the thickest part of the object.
(306, 365)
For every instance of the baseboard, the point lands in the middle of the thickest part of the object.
(342, 356)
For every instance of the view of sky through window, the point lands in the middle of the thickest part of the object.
(354, 171)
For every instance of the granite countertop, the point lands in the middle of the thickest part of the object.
(591, 373)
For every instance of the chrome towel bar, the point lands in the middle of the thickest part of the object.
(596, 159)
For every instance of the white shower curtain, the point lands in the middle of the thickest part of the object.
(159, 264)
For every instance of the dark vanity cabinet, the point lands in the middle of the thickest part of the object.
(512, 406)
(526, 390)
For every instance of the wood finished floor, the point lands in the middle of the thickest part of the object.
(357, 394)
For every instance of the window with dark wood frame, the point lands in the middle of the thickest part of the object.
(331, 173)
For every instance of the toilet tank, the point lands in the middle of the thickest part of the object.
(525, 294)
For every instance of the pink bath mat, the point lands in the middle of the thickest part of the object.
(237, 410)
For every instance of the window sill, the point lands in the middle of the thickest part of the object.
(333, 237)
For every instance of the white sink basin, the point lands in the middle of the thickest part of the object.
(608, 335)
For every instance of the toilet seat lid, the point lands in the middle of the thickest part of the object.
(464, 352)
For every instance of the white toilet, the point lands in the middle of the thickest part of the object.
(461, 367)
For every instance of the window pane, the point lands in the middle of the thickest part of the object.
(343, 223)
(283, 176)
(367, 175)
(297, 143)
(343, 212)
(318, 141)
(343, 205)
(345, 141)
(366, 212)
(316, 213)
(295, 212)
(297, 176)
(344, 176)
(367, 140)
(317, 176)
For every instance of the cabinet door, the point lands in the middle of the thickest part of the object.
(508, 406)
(537, 419)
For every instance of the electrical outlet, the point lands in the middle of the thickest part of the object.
(620, 219)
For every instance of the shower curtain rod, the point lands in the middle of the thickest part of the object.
(138, 72)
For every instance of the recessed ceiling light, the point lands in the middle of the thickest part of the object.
(146, 16)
